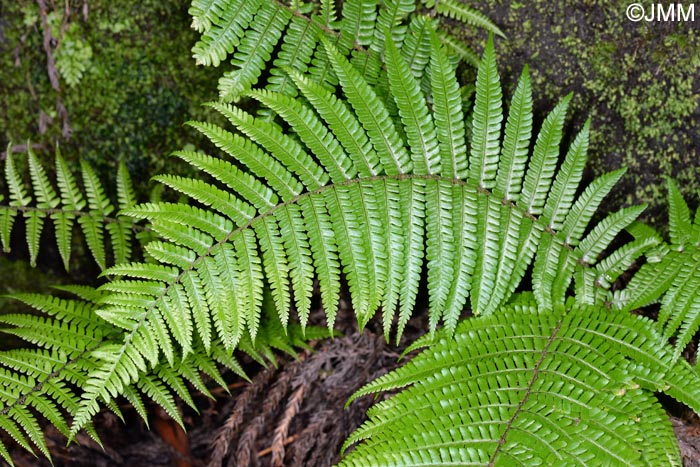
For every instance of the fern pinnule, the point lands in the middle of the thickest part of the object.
(312, 132)
(459, 11)
(391, 20)
(486, 123)
(449, 118)
(223, 24)
(372, 115)
(413, 109)
(287, 151)
(254, 50)
(343, 124)
(296, 52)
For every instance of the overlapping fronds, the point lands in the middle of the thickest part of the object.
(70, 343)
(273, 35)
(336, 191)
(39, 200)
(570, 386)
(672, 274)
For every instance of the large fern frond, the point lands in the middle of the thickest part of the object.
(275, 35)
(89, 206)
(338, 191)
(71, 344)
(526, 386)
(672, 274)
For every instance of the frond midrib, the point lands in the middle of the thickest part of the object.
(528, 390)
(536, 220)
(77, 213)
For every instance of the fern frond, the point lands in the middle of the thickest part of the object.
(516, 140)
(389, 21)
(202, 12)
(476, 244)
(449, 118)
(357, 24)
(322, 204)
(312, 132)
(413, 108)
(567, 386)
(459, 11)
(671, 275)
(224, 23)
(276, 35)
(89, 206)
(372, 114)
(538, 177)
(486, 122)
(343, 124)
(296, 52)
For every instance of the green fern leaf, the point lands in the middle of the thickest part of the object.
(324, 251)
(357, 26)
(202, 12)
(227, 26)
(458, 10)
(254, 50)
(7, 221)
(544, 160)
(313, 207)
(18, 191)
(486, 122)
(680, 228)
(389, 23)
(458, 47)
(296, 52)
(413, 108)
(557, 387)
(449, 119)
(312, 132)
(45, 194)
(516, 140)
(372, 114)
(343, 124)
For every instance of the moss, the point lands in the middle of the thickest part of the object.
(638, 81)
(138, 85)
(126, 99)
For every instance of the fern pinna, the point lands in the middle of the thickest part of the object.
(374, 187)
(273, 35)
(90, 206)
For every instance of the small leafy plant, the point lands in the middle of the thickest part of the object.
(370, 175)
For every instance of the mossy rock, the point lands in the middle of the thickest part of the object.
(638, 81)
(126, 99)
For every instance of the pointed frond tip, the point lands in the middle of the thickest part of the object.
(671, 274)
